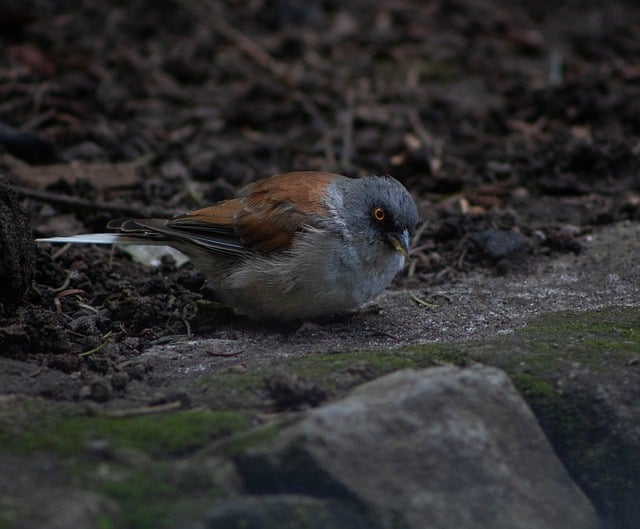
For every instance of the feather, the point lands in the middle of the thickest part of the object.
(98, 238)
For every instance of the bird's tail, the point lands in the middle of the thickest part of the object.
(100, 238)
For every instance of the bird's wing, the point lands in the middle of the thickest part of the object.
(214, 232)
(265, 216)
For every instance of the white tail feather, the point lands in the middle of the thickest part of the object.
(145, 255)
(98, 238)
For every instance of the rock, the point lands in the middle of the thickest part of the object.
(283, 510)
(442, 448)
(53, 508)
(25, 145)
(86, 150)
(500, 244)
(289, 391)
(562, 241)
(17, 248)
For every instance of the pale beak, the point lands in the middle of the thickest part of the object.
(400, 241)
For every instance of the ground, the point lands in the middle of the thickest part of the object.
(515, 127)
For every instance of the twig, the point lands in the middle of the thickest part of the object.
(38, 371)
(250, 48)
(225, 355)
(419, 232)
(412, 268)
(95, 349)
(106, 338)
(187, 327)
(424, 303)
(432, 147)
(82, 203)
(70, 292)
(65, 283)
(146, 410)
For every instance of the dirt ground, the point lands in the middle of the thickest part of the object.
(516, 128)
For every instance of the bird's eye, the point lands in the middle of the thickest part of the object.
(379, 214)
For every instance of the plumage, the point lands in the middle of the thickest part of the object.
(294, 245)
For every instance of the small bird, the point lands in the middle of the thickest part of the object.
(295, 245)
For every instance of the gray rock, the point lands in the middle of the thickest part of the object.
(438, 448)
(500, 244)
(283, 511)
(62, 509)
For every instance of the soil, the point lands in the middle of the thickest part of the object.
(515, 126)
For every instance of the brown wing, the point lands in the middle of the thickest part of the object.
(275, 208)
(264, 217)
(219, 217)
(212, 229)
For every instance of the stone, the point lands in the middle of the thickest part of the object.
(59, 508)
(500, 244)
(283, 510)
(438, 448)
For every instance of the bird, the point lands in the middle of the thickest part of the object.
(293, 246)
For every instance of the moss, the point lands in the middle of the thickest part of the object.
(337, 372)
(156, 435)
(582, 435)
(555, 362)
(246, 440)
(153, 495)
(150, 492)
(325, 367)
(398, 522)
(104, 522)
(7, 518)
(532, 386)
(232, 390)
(595, 340)
(146, 496)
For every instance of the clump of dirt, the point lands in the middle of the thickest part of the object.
(17, 248)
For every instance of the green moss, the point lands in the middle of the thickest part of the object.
(532, 386)
(104, 522)
(555, 362)
(579, 430)
(232, 390)
(148, 492)
(324, 366)
(246, 440)
(595, 340)
(156, 435)
(151, 496)
(146, 496)
(380, 362)
(337, 372)
(398, 522)
(7, 518)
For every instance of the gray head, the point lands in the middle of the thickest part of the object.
(381, 210)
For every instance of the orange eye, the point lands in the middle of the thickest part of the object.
(378, 214)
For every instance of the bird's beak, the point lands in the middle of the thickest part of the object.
(400, 241)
